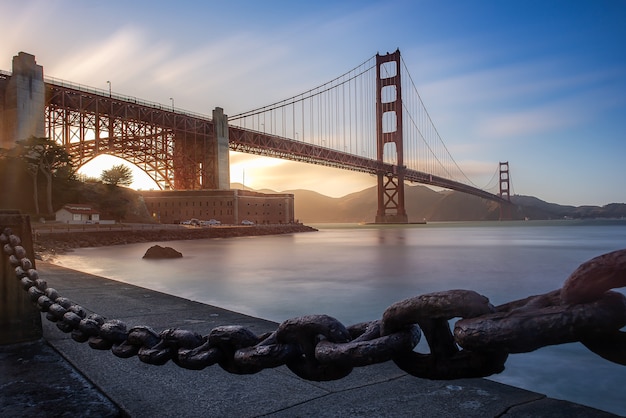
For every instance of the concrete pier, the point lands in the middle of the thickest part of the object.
(22, 102)
(105, 385)
(20, 320)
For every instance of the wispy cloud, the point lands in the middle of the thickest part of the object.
(122, 55)
(475, 104)
(573, 110)
(532, 121)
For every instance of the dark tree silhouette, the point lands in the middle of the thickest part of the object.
(118, 175)
(42, 155)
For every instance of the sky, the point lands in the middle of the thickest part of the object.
(540, 84)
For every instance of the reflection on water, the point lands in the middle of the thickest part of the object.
(354, 272)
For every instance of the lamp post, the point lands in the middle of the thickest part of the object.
(172, 99)
(109, 83)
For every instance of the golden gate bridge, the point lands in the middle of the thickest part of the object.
(371, 119)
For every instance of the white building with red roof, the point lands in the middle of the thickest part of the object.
(76, 213)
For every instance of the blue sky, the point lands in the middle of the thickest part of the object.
(541, 84)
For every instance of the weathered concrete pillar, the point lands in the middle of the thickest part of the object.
(24, 102)
(222, 162)
(20, 320)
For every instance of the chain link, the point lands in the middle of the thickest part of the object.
(319, 347)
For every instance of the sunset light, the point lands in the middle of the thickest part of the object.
(540, 87)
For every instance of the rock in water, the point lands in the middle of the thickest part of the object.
(156, 251)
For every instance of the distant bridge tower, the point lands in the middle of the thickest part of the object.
(504, 181)
(505, 208)
(389, 131)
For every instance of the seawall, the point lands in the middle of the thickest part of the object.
(58, 240)
(142, 390)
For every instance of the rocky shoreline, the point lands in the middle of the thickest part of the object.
(49, 244)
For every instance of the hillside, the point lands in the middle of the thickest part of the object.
(423, 203)
(119, 203)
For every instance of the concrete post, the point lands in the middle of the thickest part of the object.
(20, 320)
(220, 120)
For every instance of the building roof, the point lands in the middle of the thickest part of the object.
(80, 208)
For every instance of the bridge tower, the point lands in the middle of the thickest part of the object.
(22, 101)
(504, 181)
(222, 159)
(389, 131)
(505, 208)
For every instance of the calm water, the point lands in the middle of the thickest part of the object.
(354, 272)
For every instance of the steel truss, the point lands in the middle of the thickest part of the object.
(176, 150)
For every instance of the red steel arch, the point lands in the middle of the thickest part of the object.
(177, 150)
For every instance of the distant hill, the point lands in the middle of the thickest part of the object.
(423, 203)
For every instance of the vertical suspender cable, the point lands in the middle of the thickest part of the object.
(343, 112)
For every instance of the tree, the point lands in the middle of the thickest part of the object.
(45, 156)
(117, 175)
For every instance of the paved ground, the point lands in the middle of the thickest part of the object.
(36, 381)
(58, 377)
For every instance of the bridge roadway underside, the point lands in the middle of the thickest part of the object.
(143, 390)
(253, 142)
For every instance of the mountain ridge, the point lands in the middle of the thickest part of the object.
(425, 204)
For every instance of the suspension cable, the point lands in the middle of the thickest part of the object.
(435, 128)
(309, 93)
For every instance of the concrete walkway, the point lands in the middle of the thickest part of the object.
(34, 379)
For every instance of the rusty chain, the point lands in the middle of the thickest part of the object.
(320, 348)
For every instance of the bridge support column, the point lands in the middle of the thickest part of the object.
(389, 131)
(22, 102)
(20, 320)
(222, 162)
(390, 192)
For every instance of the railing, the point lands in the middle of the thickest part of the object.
(130, 99)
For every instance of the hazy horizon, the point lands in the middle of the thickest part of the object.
(241, 186)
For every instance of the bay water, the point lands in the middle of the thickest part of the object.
(354, 272)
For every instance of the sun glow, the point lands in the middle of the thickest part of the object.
(94, 168)
(244, 168)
